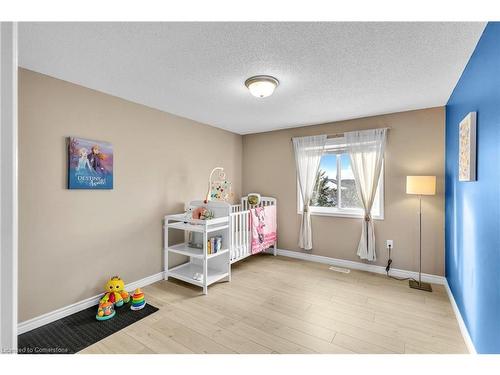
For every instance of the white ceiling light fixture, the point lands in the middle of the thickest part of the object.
(261, 86)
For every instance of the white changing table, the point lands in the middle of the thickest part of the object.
(213, 267)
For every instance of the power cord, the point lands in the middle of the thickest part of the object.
(388, 268)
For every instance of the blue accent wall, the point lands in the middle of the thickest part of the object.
(473, 208)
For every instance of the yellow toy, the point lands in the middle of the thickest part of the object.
(115, 292)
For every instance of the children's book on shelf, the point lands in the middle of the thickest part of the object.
(214, 244)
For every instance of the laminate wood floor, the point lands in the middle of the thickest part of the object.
(284, 305)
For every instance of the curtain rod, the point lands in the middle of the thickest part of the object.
(338, 135)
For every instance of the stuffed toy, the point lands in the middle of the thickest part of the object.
(115, 296)
(202, 213)
(115, 292)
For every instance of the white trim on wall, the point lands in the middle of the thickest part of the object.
(52, 316)
(461, 322)
(8, 187)
(361, 266)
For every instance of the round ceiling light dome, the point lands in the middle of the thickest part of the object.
(261, 86)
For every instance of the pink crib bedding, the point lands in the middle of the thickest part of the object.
(263, 227)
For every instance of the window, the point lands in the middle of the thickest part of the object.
(335, 191)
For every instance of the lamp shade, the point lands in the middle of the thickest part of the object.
(421, 185)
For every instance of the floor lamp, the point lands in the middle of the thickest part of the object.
(420, 185)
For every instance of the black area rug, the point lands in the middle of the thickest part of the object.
(75, 332)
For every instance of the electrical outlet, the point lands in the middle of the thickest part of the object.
(389, 244)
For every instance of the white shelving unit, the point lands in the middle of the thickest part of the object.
(214, 267)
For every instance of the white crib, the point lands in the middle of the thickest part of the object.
(239, 228)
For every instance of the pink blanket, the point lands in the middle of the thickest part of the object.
(263, 224)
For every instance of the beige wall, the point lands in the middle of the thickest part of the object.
(71, 241)
(415, 146)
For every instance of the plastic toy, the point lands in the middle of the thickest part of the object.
(138, 301)
(202, 213)
(115, 292)
(218, 190)
(207, 214)
(105, 311)
(253, 199)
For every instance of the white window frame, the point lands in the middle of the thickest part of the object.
(337, 146)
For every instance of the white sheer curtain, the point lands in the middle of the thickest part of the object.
(366, 149)
(308, 152)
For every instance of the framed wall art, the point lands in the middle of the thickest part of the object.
(467, 148)
(90, 164)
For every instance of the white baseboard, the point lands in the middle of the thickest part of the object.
(52, 316)
(361, 266)
(461, 322)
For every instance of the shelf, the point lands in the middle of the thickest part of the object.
(186, 271)
(184, 249)
(186, 226)
(215, 229)
(195, 227)
(217, 269)
(220, 252)
(184, 219)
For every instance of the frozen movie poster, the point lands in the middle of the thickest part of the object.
(90, 164)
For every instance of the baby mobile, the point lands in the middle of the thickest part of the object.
(218, 189)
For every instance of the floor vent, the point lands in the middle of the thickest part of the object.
(340, 269)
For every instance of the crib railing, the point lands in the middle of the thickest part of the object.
(240, 235)
(240, 228)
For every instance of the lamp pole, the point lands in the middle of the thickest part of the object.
(420, 239)
(419, 284)
(420, 185)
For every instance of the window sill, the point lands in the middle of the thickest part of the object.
(346, 215)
